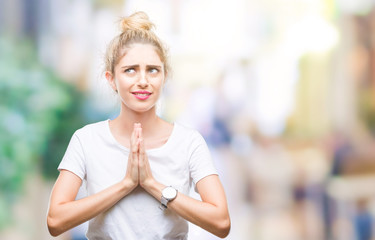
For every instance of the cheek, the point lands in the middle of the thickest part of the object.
(124, 83)
(159, 82)
(122, 91)
(159, 88)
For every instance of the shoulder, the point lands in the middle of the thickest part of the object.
(184, 129)
(91, 129)
(188, 133)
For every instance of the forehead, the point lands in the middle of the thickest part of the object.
(140, 54)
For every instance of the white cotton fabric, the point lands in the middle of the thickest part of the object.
(96, 157)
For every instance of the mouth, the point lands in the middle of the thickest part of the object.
(142, 95)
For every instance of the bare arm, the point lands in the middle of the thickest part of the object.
(210, 214)
(65, 213)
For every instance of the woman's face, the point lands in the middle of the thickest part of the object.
(139, 77)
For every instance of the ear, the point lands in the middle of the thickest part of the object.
(111, 80)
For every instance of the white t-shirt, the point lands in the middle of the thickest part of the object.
(96, 157)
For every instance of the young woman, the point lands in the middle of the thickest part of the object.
(138, 168)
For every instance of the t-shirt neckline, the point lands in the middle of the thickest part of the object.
(113, 139)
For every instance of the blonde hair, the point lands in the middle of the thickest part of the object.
(137, 28)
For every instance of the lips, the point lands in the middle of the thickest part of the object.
(142, 95)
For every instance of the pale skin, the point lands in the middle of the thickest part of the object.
(138, 128)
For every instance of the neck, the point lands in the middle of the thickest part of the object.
(124, 123)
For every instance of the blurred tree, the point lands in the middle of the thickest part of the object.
(367, 108)
(38, 113)
(108, 3)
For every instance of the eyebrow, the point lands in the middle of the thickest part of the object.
(154, 66)
(130, 66)
(137, 65)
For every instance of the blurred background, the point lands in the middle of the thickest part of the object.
(282, 90)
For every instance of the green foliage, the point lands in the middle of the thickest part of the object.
(367, 108)
(69, 120)
(38, 113)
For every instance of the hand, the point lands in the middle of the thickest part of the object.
(132, 174)
(144, 169)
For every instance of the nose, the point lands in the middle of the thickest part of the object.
(143, 82)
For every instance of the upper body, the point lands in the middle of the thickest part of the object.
(96, 157)
(127, 162)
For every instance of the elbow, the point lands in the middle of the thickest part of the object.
(223, 228)
(53, 227)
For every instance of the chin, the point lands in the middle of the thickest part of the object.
(140, 111)
(143, 109)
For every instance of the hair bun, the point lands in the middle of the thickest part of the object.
(136, 21)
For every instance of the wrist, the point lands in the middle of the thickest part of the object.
(148, 184)
(153, 187)
(128, 185)
(168, 194)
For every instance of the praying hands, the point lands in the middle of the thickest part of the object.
(138, 170)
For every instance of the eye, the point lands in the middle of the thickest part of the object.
(129, 70)
(153, 70)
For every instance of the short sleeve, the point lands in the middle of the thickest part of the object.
(200, 161)
(73, 159)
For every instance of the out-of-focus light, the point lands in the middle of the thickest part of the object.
(234, 87)
(216, 28)
(357, 6)
(312, 34)
(14, 122)
(351, 188)
(242, 145)
(274, 92)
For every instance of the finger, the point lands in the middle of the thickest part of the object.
(141, 141)
(137, 127)
(134, 146)
(142, 151)
(135, 137)
(140, 133)
(141, 146)
(142, 154)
